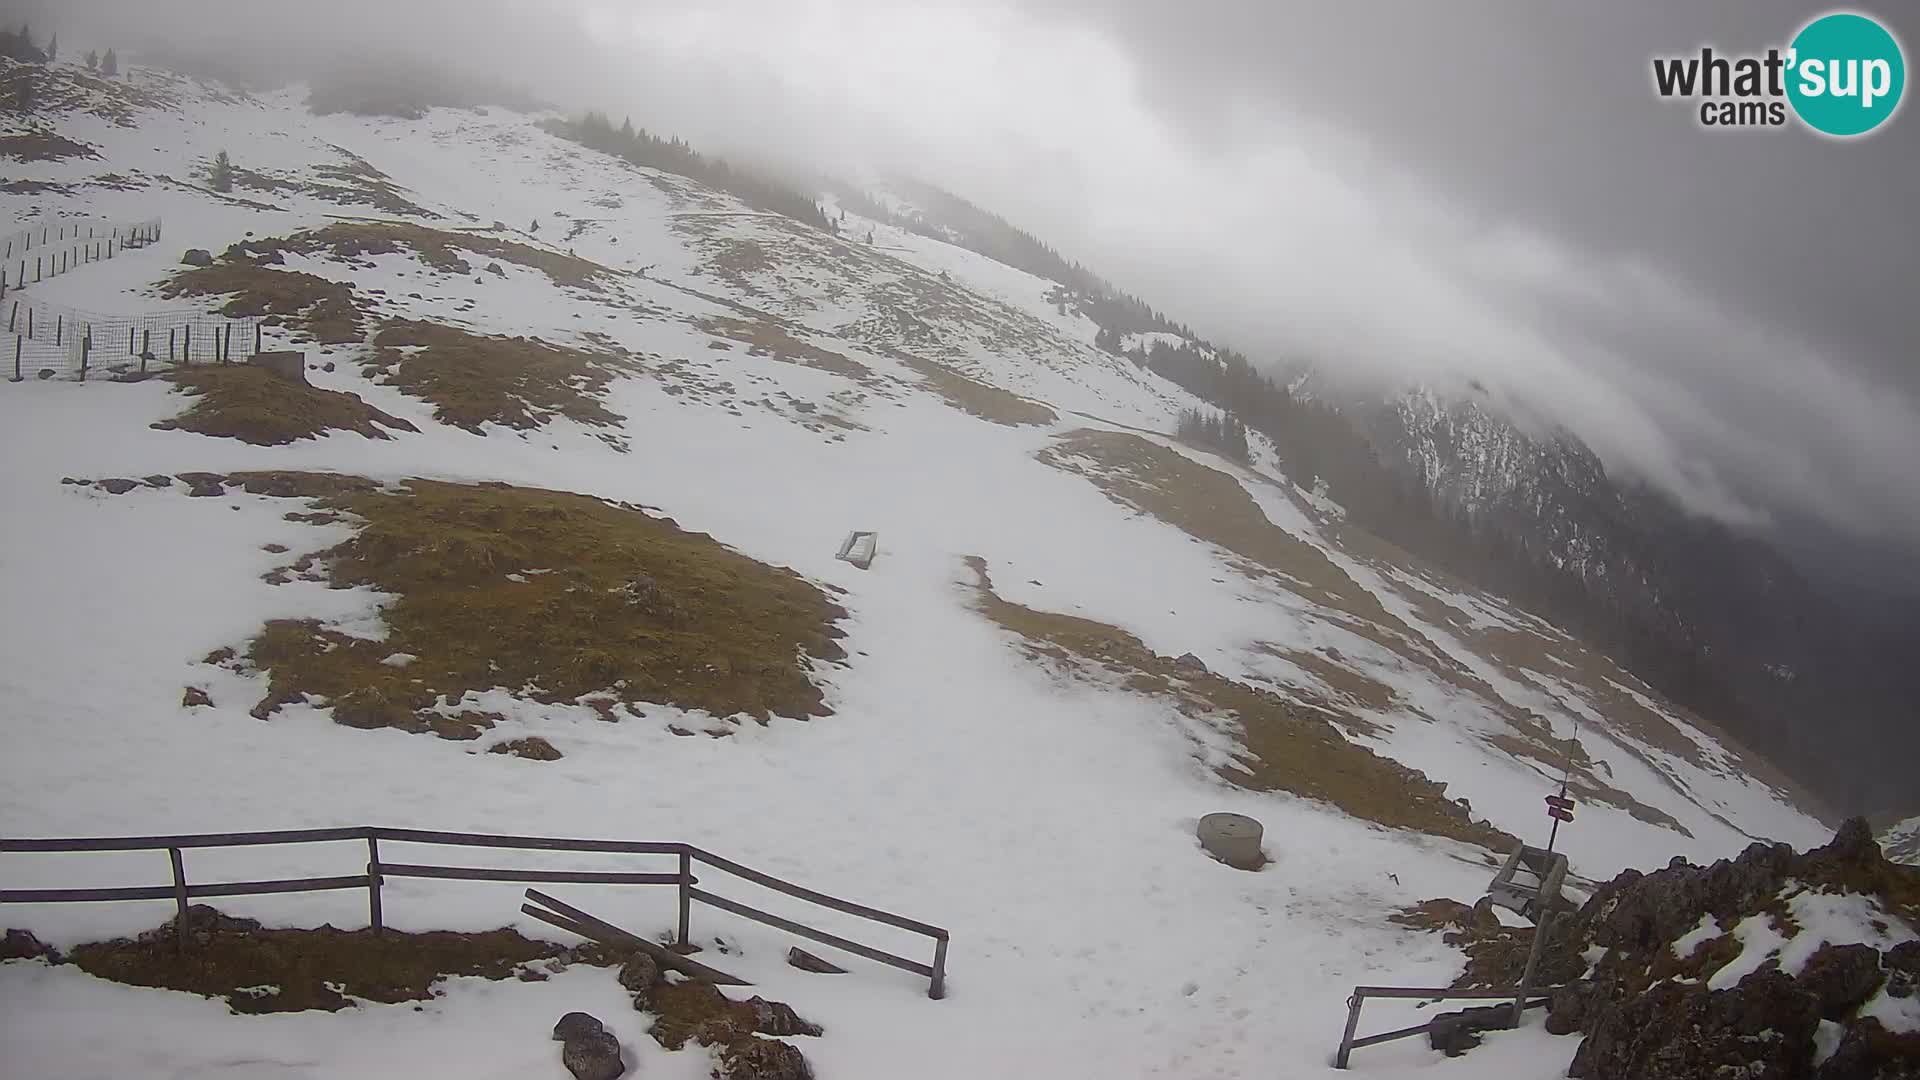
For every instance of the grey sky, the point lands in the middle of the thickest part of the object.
(1434, 191)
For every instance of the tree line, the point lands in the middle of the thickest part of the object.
(638, 146)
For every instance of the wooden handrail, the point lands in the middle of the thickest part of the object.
(378, 870)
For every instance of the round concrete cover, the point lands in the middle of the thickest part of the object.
(1234, 839)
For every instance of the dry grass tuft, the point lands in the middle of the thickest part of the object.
(476, 379)
(771, 339)
(327, 311)
(979, 399)
(258, 970)
(551, 595)
(238, 401)
(1282, 747)
(43, 145)
(441, 249)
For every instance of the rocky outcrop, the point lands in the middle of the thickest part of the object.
(1649, 1008)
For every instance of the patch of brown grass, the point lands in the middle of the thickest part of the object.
(239, 401)
(327, 311)
(978, 399)
(1209, 505)
(1282, 747)
(551, 595)
(764, 338)
(40, 144)
(258, 970)
(475, 379)
(439, 248)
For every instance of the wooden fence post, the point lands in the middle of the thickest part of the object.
(129, 341)
(373, 884)
(12, 312)
(179, 896)
(86, 349)
(59, 328)
(1341, 1056)
(686, 895)
(16, 359)
(937, 989)
(146, 348)
(169, 344)
(256, 339)
(186, 344)
(227, 358)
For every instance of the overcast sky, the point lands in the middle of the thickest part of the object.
(1405, 190)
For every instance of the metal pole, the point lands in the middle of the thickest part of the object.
(373, 884)
(1533, 961)
(1341, 1055)
(179, 896)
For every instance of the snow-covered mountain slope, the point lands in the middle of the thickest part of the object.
(989, 766)
(1901, 840)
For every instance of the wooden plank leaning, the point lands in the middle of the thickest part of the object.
(608, 934)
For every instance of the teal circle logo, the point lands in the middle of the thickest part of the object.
(1845, 74)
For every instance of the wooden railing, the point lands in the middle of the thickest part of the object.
(1348, 1043)
(181, 891)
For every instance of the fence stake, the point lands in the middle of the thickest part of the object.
(29, 322)
(186, 344)
(938, 988)
(1346, 1040)
(179, 896)
(129, 341)
(373, 883)
(256, 338)
(59, 328)
(228, 350)
(169, 344)
(11, 312)
(686, 895)
(16, 359)
(86, 347)
(146, 349)
(37, 275)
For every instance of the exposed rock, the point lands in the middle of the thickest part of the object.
(44, 374)
(1869, 1051)
(118, 485)
(778, 1018)
(1190, 662)
(75, 481)
(577, 1025)
(197, 257)
(158, 480)
(328, 366)
(22, 945)
(533, 747)
(194, 696)
(1455, 1033)
(496, 270)
(593, 1057)
(202, 485)
(1840, 977)
(1903, 969)
(1761, 1029)
(806, 961)
(639, 975)
(755, 1058)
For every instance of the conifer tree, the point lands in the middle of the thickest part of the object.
(110, 64)
(222, 172)
(93, 60)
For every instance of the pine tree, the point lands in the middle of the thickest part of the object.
(222, 172)
(626, 129)
(93, 60)
(109, 64)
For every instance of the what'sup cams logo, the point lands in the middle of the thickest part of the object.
(1842, 75)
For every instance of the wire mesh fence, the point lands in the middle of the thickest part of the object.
(49, 341)
(48, 249)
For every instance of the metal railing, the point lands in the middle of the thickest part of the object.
(181, 891)
(1348, 1043)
